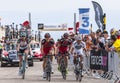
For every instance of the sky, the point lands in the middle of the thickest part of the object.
(55, 12)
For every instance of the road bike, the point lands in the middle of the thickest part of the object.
(78, 69)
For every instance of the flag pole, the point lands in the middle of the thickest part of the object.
(75, 24)
(30, 19)
(104, 22)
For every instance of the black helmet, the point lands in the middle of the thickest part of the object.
(23, 34)
(47, 35)
(65, 35)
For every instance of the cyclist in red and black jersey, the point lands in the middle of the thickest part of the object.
(63, 47)
(47, 48)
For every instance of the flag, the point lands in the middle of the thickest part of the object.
(77, 27)
(70, 28)
(98, 14)
(26, 23)
(84, 20)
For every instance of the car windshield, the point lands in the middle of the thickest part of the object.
(33, 46)
(13, 47)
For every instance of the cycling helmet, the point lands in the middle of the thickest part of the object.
(112, 31)
(47, 35)
(23, 34)
(65, 35)
(78, 38)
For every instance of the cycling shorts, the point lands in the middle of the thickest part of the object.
(21, 51)
(79, 52)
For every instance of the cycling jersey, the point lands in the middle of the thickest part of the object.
(64, 43)
(78, 48)
(23, 45)
(47, 45)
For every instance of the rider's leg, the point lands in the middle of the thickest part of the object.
(26, 54)
(81, 60)
(20, 64)
(59, 59)
(44, 64)
(66, 61)
(74, 60)
(20, 61)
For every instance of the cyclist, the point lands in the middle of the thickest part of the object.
(22, 47)
(77, 49)
(47, 48)
(63, 47)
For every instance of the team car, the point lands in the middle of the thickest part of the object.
(10, 57)
(36, 51)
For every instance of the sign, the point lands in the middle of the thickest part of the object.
(84, 20)
(98, 14)
(99, 60)
(62, 27)
(40, 26)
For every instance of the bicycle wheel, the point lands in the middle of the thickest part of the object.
(23, 75)
(49, 76)
(64, 75)
(77, 75)
(80, 75)
(23, 68)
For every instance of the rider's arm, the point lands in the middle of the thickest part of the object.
(71, 49)
(57, 48)
(54, 49)
(42, 49)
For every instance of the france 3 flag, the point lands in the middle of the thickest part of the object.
(84, 20)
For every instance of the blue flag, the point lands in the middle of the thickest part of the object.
(84, 20)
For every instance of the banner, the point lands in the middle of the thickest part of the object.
(98, 14)
(84, 20)
(99, 60)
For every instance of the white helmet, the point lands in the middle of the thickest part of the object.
(78, 38)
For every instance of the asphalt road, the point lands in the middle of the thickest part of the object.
(34, 75)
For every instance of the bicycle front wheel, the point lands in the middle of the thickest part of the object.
(80, 76)
(64, 75)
